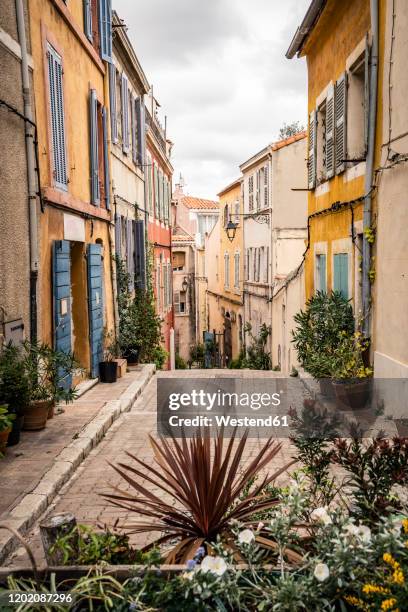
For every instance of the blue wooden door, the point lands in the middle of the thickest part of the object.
(95, 306)
(61, 272)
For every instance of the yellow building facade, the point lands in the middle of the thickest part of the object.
(225, 294)
(337, 50)
(71, 46)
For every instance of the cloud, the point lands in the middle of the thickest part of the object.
(220, 73)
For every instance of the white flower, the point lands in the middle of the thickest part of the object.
(351, 529)
(321, 572)
(320, 515)
(215, 565)
(364, 533)
(261, 525)
(187, 575)
(246, 537)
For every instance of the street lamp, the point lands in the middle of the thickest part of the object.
(231, 230)
(184, 285)
(259, 217)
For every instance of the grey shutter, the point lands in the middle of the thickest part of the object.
(330, 133)
(105, 29)
(130, 253)
(55, 73)
(156, 192)
(140, 122)
(311, 162)
(93, 112)
(125, 114)
(366, 92)
(340, 113)
(133, 127)
(140, 254)
(118, 236)
(106, 158)
(112, 98)
(88, 19)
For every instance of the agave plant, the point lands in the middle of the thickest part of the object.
(202, 485)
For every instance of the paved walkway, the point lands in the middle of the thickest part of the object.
(82, 494)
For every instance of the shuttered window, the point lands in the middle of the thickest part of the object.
(130, 253)
(112, 98)
(330, 133)
(226, 271)
(177, 302)
(366, 91)
(134, 127)
(340, 274)
(55, 74)
(140, 254)
(88, 19)
(118, 236)
(236, 271)
(321, 284)
(140, 123)
(251, 192)
(106, 157)
(266, 186)
(340, 112)
(125, 113)
(179, 260)
(156, 192)
(150, 184)
(311, 163)
(105, 29)
(93, 120)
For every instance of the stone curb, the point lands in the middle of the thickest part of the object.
(28, 510)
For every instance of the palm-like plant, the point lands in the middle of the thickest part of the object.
(204, 487)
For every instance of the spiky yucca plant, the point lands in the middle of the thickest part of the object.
(202, 490)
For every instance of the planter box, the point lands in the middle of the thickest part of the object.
(122, 367)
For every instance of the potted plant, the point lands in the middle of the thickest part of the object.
(108, 368)
(317, 334)
(6, 422)
(14, 388)
(49, 373)
(351, 378)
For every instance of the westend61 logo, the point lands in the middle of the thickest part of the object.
(187, 405)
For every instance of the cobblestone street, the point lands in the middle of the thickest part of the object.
(82, 494)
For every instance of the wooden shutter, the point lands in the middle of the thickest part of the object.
(55, 74)
(340, 275)
(330, 133)
(95, 305)
(366, 92)
(88, 19)
(106, 157)
(112, 98)
(140, 122)
(311, 162)
(130, 253)
(176, 302)
(156, 192)
(140, 254)
(266, 186)
(150, 184)
(321, 272)
(93, 113)
(118, 236)
(125, 113)
(105, 29)
(61, 269)
(133, 127)
(340, 113)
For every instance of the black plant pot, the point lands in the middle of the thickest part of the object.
(108, 371)
(131, 354)
(14, 437)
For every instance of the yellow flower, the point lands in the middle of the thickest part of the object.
(373, 588)
(405, 525)
(388, 558)
(398, 576)
(388, 604)
(357, 603)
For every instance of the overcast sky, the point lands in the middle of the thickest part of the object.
(219, 71)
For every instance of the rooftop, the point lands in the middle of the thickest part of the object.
(287, 141)
(198, 203)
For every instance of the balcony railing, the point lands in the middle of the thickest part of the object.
(157, 131)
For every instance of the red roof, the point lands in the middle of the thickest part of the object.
(191, 202)
(287, 141)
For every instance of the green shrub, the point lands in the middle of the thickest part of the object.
(180, 363)
(257, 357)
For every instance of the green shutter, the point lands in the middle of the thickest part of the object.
(93, 112)
(340, 274)
(321, 272)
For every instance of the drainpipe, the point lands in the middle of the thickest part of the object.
(369, 176)
(31, 169)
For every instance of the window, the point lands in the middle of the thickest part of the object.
(258, 189)
(236, 210)
(158, 287)
(226, 270)
(95, 187)
(55, 74)
(266, 265)
(105, 29)
(125, 113)
(266, 187)
(113, 107)
(236, 270)
(179, 260)
(251, 192)
(179, 303)
(149, 184)
(357, 108)
(321, 143)
(99, 162)
(320, 273)
(340, 274)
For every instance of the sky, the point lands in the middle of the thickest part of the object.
(219, 71)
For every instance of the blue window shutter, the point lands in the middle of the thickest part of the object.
(93, 113)
(125, 114)
(105, 29)
(61, 272)
(321, 272)
(55, 74)
(88, 19)
(112, 98)
(95, 305)
(134, 128)
(118, 236)
(140, 254)
(340, 277)
(106, 158)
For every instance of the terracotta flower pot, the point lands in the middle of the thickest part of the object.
(51, 410)
(352, 394)
(326, 387)
(36, 414)
(3, 439)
